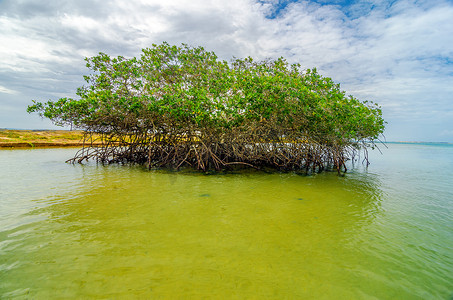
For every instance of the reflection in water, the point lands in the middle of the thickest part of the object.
(124, 231)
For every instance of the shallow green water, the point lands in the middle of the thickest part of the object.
(113, 232)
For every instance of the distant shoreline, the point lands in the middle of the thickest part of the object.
(425, 143)
(13, 138)
(30, 138)
(38, 145)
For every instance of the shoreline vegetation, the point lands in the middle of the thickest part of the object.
(179, 106)
(16, 138)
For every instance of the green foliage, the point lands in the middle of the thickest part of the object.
(185, 91)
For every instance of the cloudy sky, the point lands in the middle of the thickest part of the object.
(396, 53)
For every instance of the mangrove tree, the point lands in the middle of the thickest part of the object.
(181, 106)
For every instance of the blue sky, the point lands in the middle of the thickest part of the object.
(397, 53)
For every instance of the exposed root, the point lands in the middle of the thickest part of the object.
(217, 151)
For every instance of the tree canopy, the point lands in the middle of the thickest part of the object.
(182, 106)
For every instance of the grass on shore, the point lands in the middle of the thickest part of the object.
(22, 138)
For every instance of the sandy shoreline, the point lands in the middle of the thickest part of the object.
(37, 144)
(40, 138)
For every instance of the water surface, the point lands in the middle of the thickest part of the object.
(91, 231)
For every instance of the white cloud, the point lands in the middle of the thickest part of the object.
(24, 48)
(6, 90)
(447, 133)
(79, 23)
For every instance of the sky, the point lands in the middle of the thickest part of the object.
(396, 53)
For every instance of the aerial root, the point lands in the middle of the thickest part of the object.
(211, 152)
